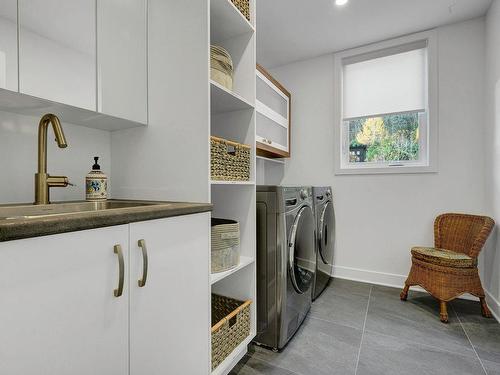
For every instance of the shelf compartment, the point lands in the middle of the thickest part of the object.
(278, 161)
(237, 354)
(244, 261)
(223, 100)
(226, 21)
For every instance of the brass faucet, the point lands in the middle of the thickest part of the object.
(43, 181)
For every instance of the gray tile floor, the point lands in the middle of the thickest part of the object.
(363, 329)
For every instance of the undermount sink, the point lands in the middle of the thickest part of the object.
(25, 211)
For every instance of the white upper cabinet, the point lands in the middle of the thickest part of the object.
(122, 58)
(273, 116)
(8, 44)
(90, 55)
(57, 51)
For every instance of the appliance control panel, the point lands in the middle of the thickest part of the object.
(304, 194)
(295, 195)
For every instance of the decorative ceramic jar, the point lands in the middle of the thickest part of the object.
(96, 183)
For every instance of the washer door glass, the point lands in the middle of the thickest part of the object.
(302, 262)
(326, 235)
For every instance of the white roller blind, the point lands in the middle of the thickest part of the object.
(391, 83)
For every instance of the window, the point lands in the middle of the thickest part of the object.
(385, 112)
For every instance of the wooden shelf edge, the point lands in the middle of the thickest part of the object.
(269, 151)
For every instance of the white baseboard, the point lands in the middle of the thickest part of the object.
(371, 277)
(493, 304)
(397, 281)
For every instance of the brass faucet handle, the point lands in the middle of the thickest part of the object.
(57, 181)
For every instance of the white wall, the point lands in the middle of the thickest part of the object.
(19, 134)
(379, 217)
(18, 157)
(491, 256)
(168, 160)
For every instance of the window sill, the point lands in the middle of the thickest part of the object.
(406, 169)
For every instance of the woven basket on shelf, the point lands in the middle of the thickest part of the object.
(225, 247)
(243, 6)
(230, 326)
(229, 161)
(221, 67)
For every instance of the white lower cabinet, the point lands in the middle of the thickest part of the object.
(58, 311)
(59, 314)
(169, 315)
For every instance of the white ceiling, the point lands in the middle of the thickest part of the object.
(291, 30)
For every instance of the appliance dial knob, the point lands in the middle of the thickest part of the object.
(303, 194)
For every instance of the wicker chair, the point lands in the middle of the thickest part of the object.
(450, 268)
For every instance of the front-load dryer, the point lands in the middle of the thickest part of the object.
(325, 237)
(286, 262)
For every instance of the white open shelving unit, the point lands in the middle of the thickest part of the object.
(243, 183)
(222, 100)
(244, 261)
(232, 116)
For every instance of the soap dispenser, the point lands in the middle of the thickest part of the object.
(96, 183)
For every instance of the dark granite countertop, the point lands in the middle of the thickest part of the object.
(25, 221)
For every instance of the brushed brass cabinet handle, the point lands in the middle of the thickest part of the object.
(142, 245)
(121, 265)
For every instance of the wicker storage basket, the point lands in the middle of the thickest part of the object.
(221, 67)
(230, 326)
(225, 244)
(243, 6)
(230, 161)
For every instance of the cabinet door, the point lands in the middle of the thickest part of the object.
(57, 51)
(122, 70)
(59, 314)
(169, 315)
(8, 44)
(273, 116)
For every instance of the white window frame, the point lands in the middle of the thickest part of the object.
(430, 133)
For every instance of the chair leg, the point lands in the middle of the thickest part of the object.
(443, 311)
(404, 293)
(485, 311)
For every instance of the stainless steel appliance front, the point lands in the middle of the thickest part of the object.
(325, 237)
(286, 262)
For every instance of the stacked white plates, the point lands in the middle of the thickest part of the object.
(221, 66)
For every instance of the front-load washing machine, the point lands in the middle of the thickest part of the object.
(286, 262)
(325, 237)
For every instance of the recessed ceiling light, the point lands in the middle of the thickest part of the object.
(341, 2)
